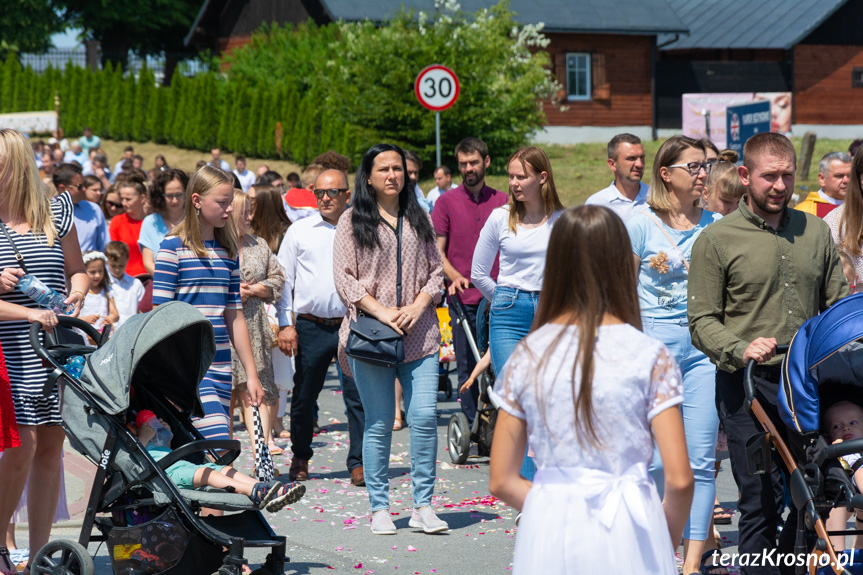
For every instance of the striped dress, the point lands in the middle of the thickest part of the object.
(212, 285)
(26, 374)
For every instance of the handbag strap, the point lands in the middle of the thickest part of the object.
(399, 261)
(661, 229)
(18, 257)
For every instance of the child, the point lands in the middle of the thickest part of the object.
(848, 269)
(198, 265)
(98, 307)
(843, 421)
(592, 408)
(128, 291)
(271, 495)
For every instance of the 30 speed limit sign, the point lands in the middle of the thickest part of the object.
(436, 87)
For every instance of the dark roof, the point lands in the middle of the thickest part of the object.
(762, 24)
(586, 16)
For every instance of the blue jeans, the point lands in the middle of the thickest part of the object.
(376, 385)
(511, 316)
(700, 420)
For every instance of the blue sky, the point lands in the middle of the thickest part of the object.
(67, 40)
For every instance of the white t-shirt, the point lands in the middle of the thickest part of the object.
(247, 178)
(522, 254)
(128, 293)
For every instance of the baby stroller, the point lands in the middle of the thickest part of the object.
(459, 433)
(155, 361)
(827, 350)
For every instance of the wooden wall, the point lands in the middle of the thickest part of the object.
(822, 85)
(623, 98)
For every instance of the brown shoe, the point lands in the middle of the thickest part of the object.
(299, 470)
(358, 478)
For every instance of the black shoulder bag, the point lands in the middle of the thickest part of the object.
(373, 341)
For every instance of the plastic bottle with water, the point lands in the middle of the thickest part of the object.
(163, 435)
(32, 287)
(75, 365)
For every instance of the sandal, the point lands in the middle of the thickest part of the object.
(6, 565)
(722, 516)
(274, 449)
(397, 424)
(709, 567)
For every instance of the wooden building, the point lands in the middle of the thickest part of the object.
(602, 52)
(811, 48)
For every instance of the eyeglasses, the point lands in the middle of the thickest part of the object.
(331, 193)
(114, 205)
(175, 196)
(694, 167)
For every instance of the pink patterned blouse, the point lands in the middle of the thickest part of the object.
(360, 272)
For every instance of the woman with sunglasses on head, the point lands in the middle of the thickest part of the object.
(167, 197)
(662, 237)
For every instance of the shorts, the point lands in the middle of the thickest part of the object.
(182, 473)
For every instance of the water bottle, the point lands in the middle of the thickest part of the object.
(32, 287)
(163, 434)
(74, 365)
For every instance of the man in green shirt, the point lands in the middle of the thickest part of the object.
(755, 277)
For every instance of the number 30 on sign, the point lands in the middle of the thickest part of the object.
(437, 87)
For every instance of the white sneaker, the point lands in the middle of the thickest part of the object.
(382, 524)
(424, 518)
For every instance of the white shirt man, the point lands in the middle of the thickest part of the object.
(626, 195)
(443, 179)
(246, 177)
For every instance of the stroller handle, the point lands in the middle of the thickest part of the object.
(844, 448)
(51, 341)
(749, 382)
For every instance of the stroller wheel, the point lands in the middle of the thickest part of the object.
(62, 557)
(458, 438)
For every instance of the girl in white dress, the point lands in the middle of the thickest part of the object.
(98, 306)
(591, 409)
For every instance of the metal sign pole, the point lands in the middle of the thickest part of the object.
(437, 136)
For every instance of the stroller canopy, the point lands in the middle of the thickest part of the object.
(168, 351)
(825, 350)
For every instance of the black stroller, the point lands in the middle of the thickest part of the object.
(155, 361)
(460, 435)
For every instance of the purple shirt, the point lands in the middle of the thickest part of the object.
(458, 217)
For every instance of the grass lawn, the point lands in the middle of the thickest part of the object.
(579, 170)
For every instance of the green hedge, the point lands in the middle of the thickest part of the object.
(198, 112)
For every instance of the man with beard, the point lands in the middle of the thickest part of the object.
(755, 276)
(458, 217)
(627, 194)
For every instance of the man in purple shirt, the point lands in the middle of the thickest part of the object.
(458, 217)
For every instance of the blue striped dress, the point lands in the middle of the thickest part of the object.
(212, 285)
(26, 373)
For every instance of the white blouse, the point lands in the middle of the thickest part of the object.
(522, 254)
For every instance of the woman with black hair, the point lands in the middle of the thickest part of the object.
(365, 272)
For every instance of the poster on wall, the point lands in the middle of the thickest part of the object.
(746, 120)
(698, 109)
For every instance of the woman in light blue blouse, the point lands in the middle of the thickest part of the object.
(662, 237)
(167, 197)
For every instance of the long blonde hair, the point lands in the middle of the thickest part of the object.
(537, 159)
(21, 187)
(202, 183)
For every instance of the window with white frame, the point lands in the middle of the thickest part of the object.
(578, 76)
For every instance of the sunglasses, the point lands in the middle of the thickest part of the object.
(114, 205)
(174, 196)
(331, 193)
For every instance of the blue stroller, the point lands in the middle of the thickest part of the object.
(823, 364)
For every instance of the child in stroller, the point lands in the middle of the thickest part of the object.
(843, 421)
(271, 495)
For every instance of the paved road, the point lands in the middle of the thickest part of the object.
(329, 529)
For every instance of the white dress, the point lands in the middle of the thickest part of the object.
(591, 510)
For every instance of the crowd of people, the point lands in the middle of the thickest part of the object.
(618, 330)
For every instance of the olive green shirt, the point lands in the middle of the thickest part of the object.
(747, 280)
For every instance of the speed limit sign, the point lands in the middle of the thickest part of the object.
(436, 87)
